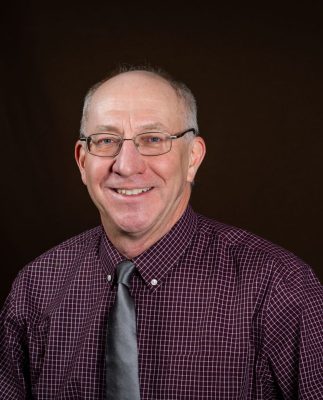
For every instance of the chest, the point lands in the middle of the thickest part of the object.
(195, 334)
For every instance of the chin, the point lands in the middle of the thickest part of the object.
(133, 225)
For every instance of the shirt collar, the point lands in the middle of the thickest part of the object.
(157, 261)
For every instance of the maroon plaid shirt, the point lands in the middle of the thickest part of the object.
(222, 314)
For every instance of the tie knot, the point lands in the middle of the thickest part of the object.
(124, 271)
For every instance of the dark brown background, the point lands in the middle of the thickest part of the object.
(257, 76)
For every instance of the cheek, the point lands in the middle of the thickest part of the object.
(164, 168)
(95, 171)
(172, 170)
(182, 167)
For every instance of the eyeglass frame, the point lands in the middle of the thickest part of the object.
(87, 140)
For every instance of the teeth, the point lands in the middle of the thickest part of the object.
(131, 192)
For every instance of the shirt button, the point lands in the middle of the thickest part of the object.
(109, 278)
(154, 282)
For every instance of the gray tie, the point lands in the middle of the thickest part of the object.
(122, 377)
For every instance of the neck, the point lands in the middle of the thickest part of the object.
(132, 245)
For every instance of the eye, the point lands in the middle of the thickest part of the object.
(152, 138)
(105, 140)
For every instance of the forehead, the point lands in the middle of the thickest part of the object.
(136, 97)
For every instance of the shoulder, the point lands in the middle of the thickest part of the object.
(44, 278)
(238, 239)
(69, 249)
(276, 280)
(250, 252)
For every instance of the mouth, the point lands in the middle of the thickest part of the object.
(133, 192)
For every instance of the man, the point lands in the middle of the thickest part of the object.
(220, 313)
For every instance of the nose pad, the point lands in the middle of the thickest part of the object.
(134, 142)
(136, 145)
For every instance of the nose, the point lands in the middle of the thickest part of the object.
(129, 161)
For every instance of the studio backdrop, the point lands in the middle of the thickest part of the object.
(257, 77)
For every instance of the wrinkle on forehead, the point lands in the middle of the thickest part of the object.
(153, 127)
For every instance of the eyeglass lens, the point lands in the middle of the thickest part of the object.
(150, 143)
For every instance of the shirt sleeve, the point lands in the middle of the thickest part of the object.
(294, 336)
(13, 363)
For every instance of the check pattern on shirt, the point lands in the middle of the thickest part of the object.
(222, 314)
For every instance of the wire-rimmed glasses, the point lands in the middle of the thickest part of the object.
(107, 144)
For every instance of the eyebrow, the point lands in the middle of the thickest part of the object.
(146, 127)
(153, 126)
(109, 128)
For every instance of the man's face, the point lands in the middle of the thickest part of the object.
(139, 195)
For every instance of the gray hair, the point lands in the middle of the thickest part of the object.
(182, 91)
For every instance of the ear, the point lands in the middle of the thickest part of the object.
(197, 153)
(80, 156)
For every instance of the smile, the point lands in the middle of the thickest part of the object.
(132, 192)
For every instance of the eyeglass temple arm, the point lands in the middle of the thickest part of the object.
(183, 133)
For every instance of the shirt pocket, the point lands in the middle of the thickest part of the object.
(208, 375)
